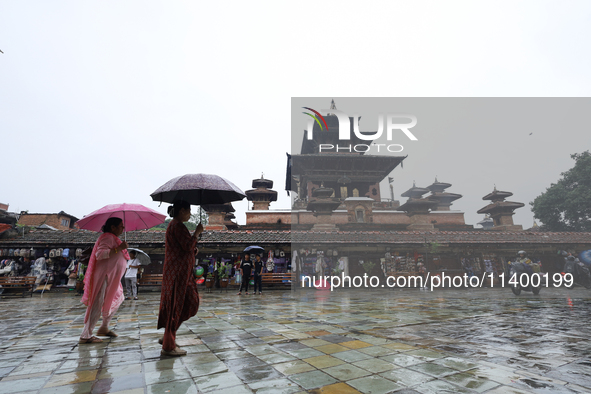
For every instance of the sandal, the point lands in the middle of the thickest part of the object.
(173, 353)
(92, 339)
(110, 333)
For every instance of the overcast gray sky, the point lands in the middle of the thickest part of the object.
(102, 102)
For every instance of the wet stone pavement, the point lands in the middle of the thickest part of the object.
(349, 341)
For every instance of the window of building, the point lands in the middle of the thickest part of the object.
(65, 222)
(359, 215)
(355, 192)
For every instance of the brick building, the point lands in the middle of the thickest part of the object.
(60, 221)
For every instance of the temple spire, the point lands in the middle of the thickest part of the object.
(332, 106)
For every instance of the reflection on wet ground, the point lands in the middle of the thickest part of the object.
(349, 341)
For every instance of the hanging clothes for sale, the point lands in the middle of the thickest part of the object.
(344, 265)
(270, 262)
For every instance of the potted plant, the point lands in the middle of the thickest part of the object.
(209, 280)
(223, 275)
(368, 266)
(80, 279)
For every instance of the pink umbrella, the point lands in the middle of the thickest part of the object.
(135, 217)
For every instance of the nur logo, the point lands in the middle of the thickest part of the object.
(392, 124)
(315, 118)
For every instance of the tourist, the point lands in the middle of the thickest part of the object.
(245, 271)
(103, 292)
(179, 300)
(131, 276)
(258, 274)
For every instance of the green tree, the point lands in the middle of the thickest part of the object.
(566, 205)
(191, 224)
(195, 219)
(162, 226)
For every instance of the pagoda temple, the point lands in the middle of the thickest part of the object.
(217, 214)
(349, 173)
(353, 179)
(501, 211)
(439, 195)
(417, 208)
(262, 195)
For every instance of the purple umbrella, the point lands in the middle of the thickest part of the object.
(198, 189)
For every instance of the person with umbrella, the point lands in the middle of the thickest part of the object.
(131, 275)
(179, 299)
(102, 282)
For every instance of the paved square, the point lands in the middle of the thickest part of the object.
(356, 341)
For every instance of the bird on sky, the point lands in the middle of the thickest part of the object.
(1, 51)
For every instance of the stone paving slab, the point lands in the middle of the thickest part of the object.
(349, 341)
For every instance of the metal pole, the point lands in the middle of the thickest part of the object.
(46, 282)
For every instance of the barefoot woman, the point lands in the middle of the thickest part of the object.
(179, 300)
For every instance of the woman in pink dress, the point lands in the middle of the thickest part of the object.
(179, 299)
(103, 292)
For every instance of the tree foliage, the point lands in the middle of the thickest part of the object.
(191, 224)
(195, 219)
(566, 205)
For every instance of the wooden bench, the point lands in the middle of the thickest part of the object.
(150, 280)
(17, 285)
(272, 278)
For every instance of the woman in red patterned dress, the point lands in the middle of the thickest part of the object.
(179, 300)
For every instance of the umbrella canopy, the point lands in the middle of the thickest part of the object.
(585, 257)
(141, 256)
(135, 217)
(198, 189)
(254, 249)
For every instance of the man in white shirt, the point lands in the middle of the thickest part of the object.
(131, 276)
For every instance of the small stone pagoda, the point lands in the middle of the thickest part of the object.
(228, 221)
(439, 195)
(486, 223)
(262, 195)
(217, 215)
(322, 204)
(417, 208)
(501, 211)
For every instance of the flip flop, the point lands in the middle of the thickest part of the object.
(92, 339)
(110, 333)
